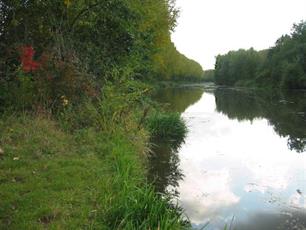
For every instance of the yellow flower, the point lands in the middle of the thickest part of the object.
(65, 101)
(67, 2)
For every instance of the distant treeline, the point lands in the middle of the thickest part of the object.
(209, 75)
(282, 66)
(173, 65)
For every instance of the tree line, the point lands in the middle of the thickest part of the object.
(281, 66)
(64, 47)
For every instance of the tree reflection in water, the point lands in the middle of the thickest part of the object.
(179, 99)
(251, 183)
(285, 111)
(164, 170)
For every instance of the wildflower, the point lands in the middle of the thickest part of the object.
(65, 101)
(27, 63)
(67, 2)
(16, 158)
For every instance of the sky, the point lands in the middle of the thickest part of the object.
(207, 28)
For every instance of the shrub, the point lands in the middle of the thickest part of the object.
(167, 126)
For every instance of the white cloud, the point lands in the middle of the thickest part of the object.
(207, 28)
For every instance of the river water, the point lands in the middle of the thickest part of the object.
(243, 163)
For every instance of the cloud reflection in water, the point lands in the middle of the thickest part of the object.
(233, 167)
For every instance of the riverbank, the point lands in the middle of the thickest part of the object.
(74, 136)
(88, 178)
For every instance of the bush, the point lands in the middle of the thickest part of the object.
(167, 126)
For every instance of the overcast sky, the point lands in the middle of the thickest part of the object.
(207, 28)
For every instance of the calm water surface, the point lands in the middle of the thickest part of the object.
(243, 162)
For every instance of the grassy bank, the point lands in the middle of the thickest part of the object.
(86, 179)
(73, 107)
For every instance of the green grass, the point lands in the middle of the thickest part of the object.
(86, 179)
(169, 127)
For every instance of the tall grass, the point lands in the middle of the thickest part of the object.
(168, 127)
(142, 208)
(82, 179)
(137, 205)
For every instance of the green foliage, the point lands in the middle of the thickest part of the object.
(241, 65)
(209, 75)
(77, 159)
(121, 102)
(286, 60)
(282, 66)
(80, 44)
(167, 126)
(172, 65)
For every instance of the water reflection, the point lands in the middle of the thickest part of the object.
(164, 170)
(274, 221)
(178, 99)
(236, 161)
(285, 111)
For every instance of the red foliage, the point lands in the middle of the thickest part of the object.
(27, 62)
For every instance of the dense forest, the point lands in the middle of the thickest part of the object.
(76, 117)
(281, 66)
(209, 75)
(68, 46)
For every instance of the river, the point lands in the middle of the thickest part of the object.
(243, 163)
